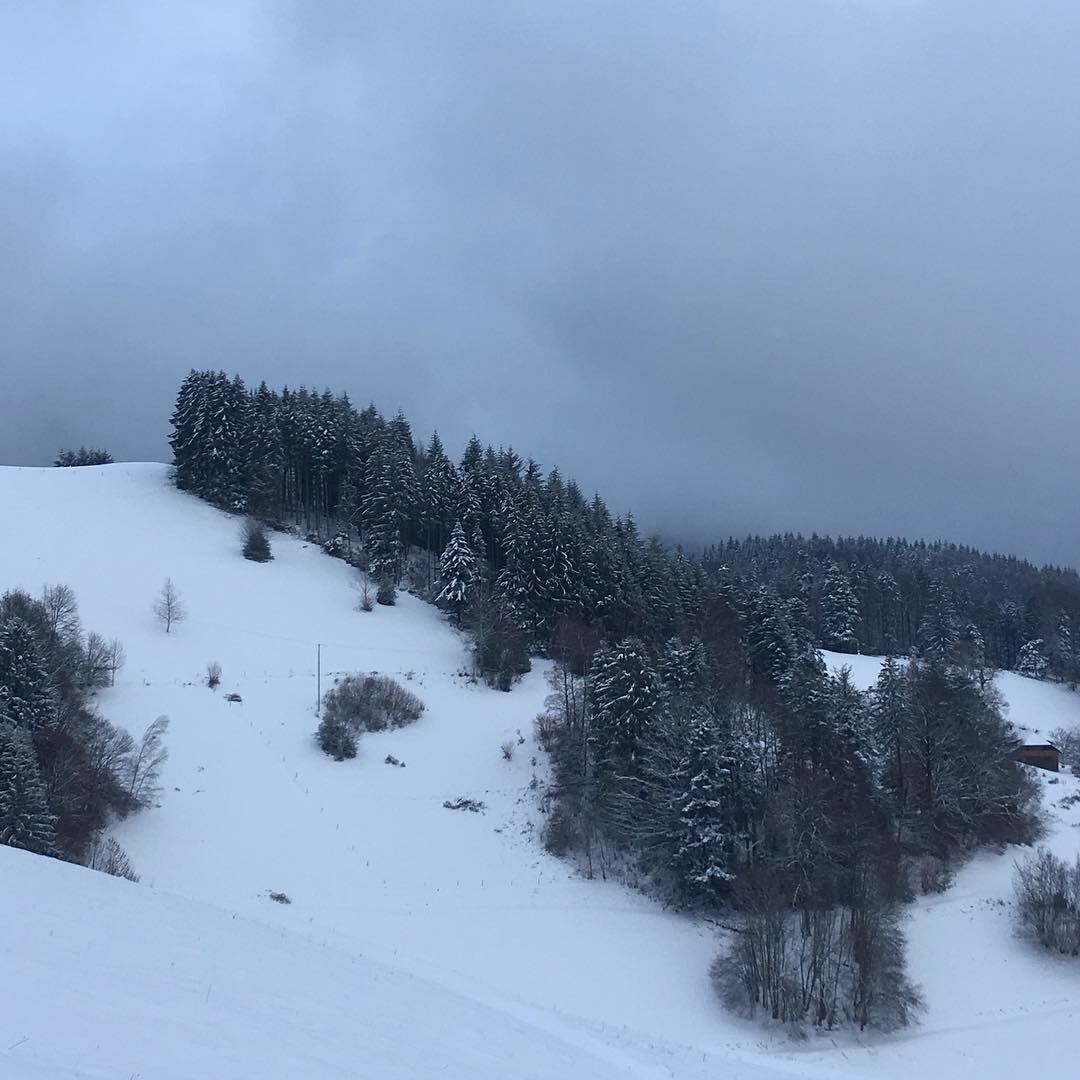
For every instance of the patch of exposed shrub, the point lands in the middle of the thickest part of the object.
(256, 541)
(1048, 900)
(336, 738)
(372, 703)
(109, 857)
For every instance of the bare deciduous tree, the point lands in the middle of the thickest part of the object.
(361, 583)
(97, 661)
(167, 607)
(144, 765)
(117, 658)
(61, 610)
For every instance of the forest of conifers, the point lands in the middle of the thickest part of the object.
(700, 746)
(552, 553)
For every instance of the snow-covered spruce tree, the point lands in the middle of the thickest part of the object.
(520, 586)
(188, 418)
(26, 697)
(840, 611)
(767, 634)
(710, 828)
(389, 501)
(624, 699)
(889, 607)
(83, 456)
(336, 737)
(457, 573)
(265, 455)
(25, 819)
(891, 733)
(939, 634)
(1032, 661)
(439, 491)
(211, 438)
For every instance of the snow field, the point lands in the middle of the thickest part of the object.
(418, 939)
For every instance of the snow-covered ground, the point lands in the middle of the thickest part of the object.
(420, 940)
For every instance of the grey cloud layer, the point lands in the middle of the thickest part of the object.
(741, 266)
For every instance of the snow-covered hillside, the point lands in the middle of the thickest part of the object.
(420, 940)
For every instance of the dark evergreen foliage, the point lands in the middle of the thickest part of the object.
(64, 769)
(82, 456)
(256, 541)
(336, 738)
(912, 596)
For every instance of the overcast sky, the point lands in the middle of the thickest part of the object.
(741, 266)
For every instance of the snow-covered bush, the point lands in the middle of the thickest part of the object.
(1068, 742)
(372, 703)
(256, 541)
(336, 738)
(110, 858)
(1048, 900)
(934, 875)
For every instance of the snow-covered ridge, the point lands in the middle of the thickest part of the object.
(418, 939)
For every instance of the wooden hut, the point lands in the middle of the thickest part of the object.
(1041, 755)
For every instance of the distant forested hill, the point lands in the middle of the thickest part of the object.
(548, 558)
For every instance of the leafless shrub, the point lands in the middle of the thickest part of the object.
(109, 857)
(1048, 900)
(361, 583)
(1068, 742)
(213, 674)
(145, 764)
(462, 803)
(507, 749)
(547, 728)
(934, 875)
(372, 703)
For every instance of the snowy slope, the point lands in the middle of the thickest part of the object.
(459, 918)
(117, 980)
